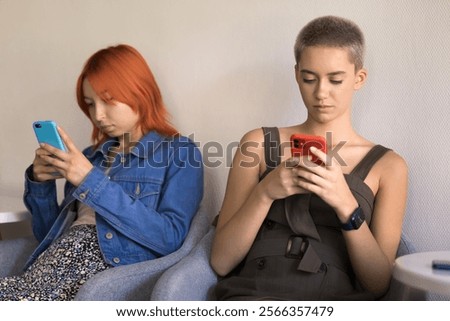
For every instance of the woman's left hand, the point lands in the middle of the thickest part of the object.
(72, 165)
(328, 182)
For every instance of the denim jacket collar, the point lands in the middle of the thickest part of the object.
(151, 140)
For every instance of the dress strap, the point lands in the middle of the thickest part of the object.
(271, 149)
(365, 165)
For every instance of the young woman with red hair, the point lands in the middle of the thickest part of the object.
(125, 196)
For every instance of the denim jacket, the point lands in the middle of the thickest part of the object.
(143, 206)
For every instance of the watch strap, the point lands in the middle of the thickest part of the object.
(355, 220)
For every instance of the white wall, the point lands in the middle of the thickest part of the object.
(225, 67)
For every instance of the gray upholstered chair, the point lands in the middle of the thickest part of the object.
(124, 283)
(128, 282)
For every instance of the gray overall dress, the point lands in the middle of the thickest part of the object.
(299, 252)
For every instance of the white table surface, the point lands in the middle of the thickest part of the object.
(415, 271)
(12, 209)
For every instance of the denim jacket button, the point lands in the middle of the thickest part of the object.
(116, 260)
(109, 235)
(83, 196)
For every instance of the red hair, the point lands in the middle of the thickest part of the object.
(121, 74)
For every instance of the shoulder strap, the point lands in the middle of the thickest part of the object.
(271, 148)
(365, 165)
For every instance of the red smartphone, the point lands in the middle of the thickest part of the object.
(300, 145)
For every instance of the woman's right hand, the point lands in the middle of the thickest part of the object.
(42, 170)
(282, 181)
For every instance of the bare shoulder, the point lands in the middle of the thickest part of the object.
(254, 135)
(393, 161)
(390, 171)
(250, 154)
(392, 167)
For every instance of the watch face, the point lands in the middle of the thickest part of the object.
(355, 221)
(358, 218)
(358, 221)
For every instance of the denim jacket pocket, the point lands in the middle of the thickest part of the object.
(143, 191)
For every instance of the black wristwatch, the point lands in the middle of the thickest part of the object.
(355, 220)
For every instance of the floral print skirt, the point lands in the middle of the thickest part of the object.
(58, 273)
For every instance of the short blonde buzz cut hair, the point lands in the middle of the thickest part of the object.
(332, 31)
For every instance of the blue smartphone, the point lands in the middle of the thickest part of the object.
(46, 132)
(441, 264)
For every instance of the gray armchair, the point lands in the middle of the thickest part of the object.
(192, 279)
(128, 282)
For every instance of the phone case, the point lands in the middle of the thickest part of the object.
(46, 132)
(300, 145)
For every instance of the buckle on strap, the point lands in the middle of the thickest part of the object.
(299, 247)
(296, 247)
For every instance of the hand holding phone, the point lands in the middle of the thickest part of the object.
(301, 144)
(46, 132)
(69, 163)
